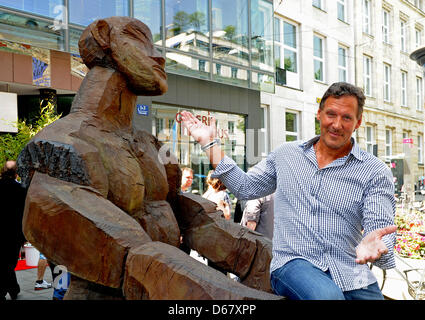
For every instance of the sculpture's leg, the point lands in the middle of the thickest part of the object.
(159, 271)
(232, 247)
(76, 227)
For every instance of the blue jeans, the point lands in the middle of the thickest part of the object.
(300, 280)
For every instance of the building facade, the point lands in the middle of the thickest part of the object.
(314, 47)
(386, 32)
(367, 43)
(218, 59)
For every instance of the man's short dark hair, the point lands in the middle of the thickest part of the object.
(339, 89)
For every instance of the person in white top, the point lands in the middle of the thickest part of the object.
(216, 192)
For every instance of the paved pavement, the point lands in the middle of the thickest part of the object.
(395, 286)
(26, 280)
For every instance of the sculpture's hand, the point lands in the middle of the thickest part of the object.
(198, 130)
(372, 247)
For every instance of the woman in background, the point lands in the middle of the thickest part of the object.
(216, 192)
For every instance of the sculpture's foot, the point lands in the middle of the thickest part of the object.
(160, 271)
(81, 289)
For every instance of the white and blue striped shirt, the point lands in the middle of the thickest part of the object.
(321, 215)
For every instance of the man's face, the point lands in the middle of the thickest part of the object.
(338, 120)
(187, 179)
(138, 60)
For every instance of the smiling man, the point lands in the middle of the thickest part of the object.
(334, 203)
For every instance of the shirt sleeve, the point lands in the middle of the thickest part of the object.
(252, 211)
(258, 182)
(379, 212)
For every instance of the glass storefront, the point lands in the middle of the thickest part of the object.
(167, 127)
(206, 39)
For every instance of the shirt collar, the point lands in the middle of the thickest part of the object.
(355, 150)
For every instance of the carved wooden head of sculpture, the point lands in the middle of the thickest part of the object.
(125, 44)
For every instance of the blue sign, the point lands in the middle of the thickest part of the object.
(143, 109)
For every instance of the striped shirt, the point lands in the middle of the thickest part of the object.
(321, 215)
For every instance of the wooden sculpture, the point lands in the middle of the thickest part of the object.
(101, 203)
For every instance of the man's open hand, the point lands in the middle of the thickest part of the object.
(372, 247)
(198, 130)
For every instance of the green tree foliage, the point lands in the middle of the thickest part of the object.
(12, 144)
(183, 21)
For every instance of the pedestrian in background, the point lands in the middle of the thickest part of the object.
(187, 179)
(258, 215)
(216, 192)
(186, 187)
(12, 202)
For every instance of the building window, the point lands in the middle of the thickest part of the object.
(149, 11)
(388, 144)
(47, 8)
(318, 4)
(418, 38)
(230, 30)
(420, 148)
(286, 53)
(342, 64)
(404, 89)
(187, 26)
(234, 72)
(231, 127)
(370, 140)
(93, 10)
(419, 99)
(341, 10)
(403, 39)
(387, 83)
(262, 35)
(291, 126)
(367, 75)
(418, 4)
(385, 26)
(218, 68)
(286, 47)
(202, 65)
(367, 17)
(318, 58)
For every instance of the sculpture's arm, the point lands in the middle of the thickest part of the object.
(159, 271)
(234, 248)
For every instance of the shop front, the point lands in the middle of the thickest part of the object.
(167, 126)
